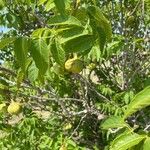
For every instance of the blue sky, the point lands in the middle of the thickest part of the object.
(4, 29)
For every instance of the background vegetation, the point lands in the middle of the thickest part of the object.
(106, 105)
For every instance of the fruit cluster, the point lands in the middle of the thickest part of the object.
(14, 108)
(74, 65)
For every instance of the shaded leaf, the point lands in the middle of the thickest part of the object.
(65, 20)
(3, 82)
(101, 21)
(101, 38)
(60, 5)
(71, 33)
(20, 77)
(2, 4)
(139, 146)
(99, 33)
(21, 51)
(40, 54)
(6, 41)
(57, 52)
(21, 74)
(79, 44)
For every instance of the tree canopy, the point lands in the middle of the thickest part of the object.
(74, 74)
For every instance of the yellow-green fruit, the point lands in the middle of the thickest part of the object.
(130, 20)
(74, 65)
(63, 147)
(91, 66)
(67, 126)
(14, 108)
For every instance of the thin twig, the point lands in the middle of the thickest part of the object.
(7, 71)
(77, 126)
(137, 70)
(147, 127)
(93, 89)
(135, 8)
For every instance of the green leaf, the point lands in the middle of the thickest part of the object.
(20, 77)
(99, 33)
(101, 21)
(95, 53)
(40, 54)
(60, 5)
(100, 25)
(139, 146)
(147, 82)
(57, 52)
(113, 122)
(3, 82)
(41, 2)
(141, 100)
(6, 41)
(49, 5)
(79, 44)
(2, 4)
(71, 33)
(146, 145)
(113, 48)
(38, 33)
(101, 38)
(33, 72)
(71, 142)
(21, 74)
(126, 141)
(44, 33)
(65, 20)
(21, 46)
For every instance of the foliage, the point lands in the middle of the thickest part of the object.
(101, 101)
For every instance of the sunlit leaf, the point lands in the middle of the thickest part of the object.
(126, 141)
(49, 5)
(141, 100)
(40, 2)
(113, 122)
(146, 144)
